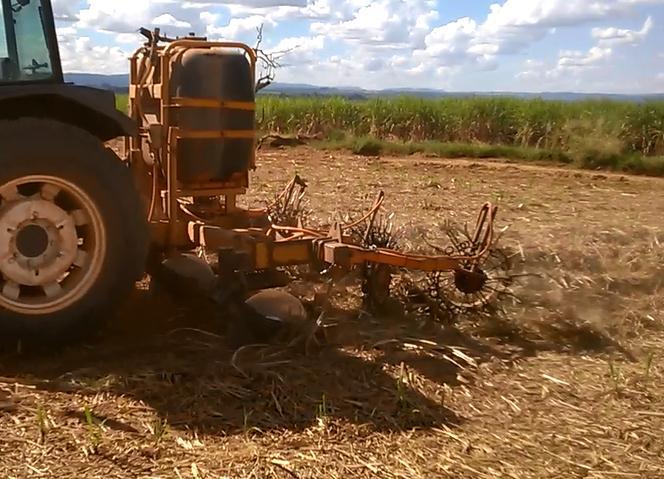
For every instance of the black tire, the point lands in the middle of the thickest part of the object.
(46, 147)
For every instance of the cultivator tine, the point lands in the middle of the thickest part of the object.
(484, 230)
(469, 277)
(286, 209)
(370, 224)
(481, 280)
(370, 215)
(468, 274)
(372, 232)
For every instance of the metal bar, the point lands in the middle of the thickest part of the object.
(171, 184)
(48, 25)
(201, 44)
(10, 33)
(181, 102)
(287, 253)
(213, 134)
(167, 139)
(232, 183)
(349, 255)
(372, 212)
(154, 90)
(210, 191)
(265, 252)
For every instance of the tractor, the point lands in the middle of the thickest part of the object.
(81, 224)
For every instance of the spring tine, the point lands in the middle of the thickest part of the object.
(370, 225)
(481, 220)
(454, 239)
(303, 192)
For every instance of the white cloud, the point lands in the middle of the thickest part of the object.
(283, 9)
(237, 28)
(168, 20)
(367, 42)
(618, 36)
(450, 43)
(533, 70)
(297, 54)
(126, 16)
(381, 23)
(239, 20)
(571, 60)
(515, 25)
(129, 38)
(266, 3)
(80, 54)
(299, 45)
(65, 10)
(575, 62)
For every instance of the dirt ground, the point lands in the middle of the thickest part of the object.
(569, 382)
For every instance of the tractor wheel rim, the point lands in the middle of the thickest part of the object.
(52, 244)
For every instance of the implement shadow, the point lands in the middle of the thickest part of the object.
(176, 362)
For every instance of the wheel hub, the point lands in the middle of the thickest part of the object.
(469, 282)
(32, 240)
(52, 244)
(41, 241)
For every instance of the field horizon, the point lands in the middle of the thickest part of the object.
(119, 83)
(592, 134)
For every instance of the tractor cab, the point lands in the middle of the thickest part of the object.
(32, 82)
(28, 43)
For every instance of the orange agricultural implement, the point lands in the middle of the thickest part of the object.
(173, 101)
(79, 225)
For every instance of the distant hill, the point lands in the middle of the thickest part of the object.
(119, 84)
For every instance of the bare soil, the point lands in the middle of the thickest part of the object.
(568, 383)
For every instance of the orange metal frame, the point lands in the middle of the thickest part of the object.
(300, 245)
(163, 103)
(333, 247)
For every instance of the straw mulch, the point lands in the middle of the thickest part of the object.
(567, 382)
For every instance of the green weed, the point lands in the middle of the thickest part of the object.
(94, 431)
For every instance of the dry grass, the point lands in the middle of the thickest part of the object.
(567, 383)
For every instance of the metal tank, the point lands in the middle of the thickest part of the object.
(220, 75)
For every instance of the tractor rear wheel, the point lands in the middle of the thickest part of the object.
(73, 235)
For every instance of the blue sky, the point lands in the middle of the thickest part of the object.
(509, 45)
